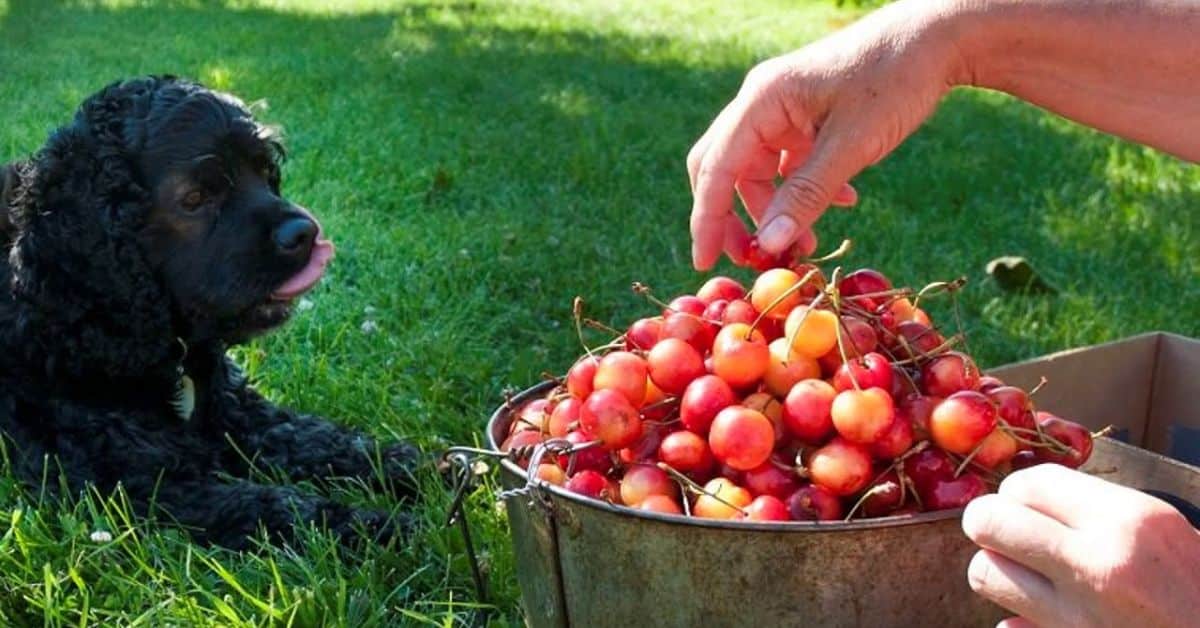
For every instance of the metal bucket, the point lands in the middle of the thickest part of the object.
(586, 563)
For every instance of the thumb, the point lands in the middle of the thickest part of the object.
(805, 195)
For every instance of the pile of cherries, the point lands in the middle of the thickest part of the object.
(808, 398)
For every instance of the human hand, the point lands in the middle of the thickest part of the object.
(816, 117)
(1063, 548)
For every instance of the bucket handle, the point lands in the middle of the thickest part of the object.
(468, 464)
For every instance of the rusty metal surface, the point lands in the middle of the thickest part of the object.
(597, 565)
(536, 553)
(1138, 468)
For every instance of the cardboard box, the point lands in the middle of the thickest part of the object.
(1144, 386)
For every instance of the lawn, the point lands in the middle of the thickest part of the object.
(479, 164)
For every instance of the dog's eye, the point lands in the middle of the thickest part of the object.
(193, 200)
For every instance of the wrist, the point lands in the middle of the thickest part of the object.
(972, 36)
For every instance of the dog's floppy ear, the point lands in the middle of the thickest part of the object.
(85, 290)
(9, 179)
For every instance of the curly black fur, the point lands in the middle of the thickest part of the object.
(116, 289)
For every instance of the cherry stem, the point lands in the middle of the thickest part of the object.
(1044, 440)
(791, 340)
(1104, 431)
(1040, 386)
(779, 299)
(595, 324)
(689, 484)
(874, 490)
(577, 315)
(939, 286)
(644, 290)
(841, 250)
(946, 345)
(970, 457)
(659, 404)
(835, 299)
(979, 469)
(897, 466)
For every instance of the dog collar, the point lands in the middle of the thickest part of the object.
(183, 400)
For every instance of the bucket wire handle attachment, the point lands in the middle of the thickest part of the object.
(469, 463)
(466, 468)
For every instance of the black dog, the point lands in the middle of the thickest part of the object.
(143, 239)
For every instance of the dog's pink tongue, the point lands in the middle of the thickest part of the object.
(308, 276)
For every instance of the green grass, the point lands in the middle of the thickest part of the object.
(481, 163)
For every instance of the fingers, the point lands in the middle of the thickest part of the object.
(806, 193)
(1001, 524)
(1013, 586)
(1069, 496)
(756, 195)
(846, 197)
(737, 239)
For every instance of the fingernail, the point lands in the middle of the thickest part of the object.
(778, 233)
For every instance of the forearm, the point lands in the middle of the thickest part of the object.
(1127, 67)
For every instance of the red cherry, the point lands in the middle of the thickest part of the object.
(864, 281)
(661, 504)
(643, 480)
(581, 375)
(882, 496)
(767, 508)
(769, 479)
(1069, 433)
(917, 409)
(913, 340)
(702, 400)
(806, 410)
(814, 503)
(690, 329)
(1012, 405)
(862, 416)
(643, 334)
(715, 311)
(687, 304)
(840, 466)
(741, 438)
(720, 288)
(962, 421)
(588, 483)
(739, 311)
(987, 383)
(609, 416)
(858, 337)
(997, 449)
(623, 372)
(566, 414)
(524, 438)
(949, 373)
(686, 452)
(740, 357)
(646, 447)
(897, 439)
(673, 364)
(592, 458)
(870, 371)
(929, 466)
(945, 494)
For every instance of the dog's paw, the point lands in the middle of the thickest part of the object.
(400, 464)
(375, 527)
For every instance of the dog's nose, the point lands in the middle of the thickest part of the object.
(295, 234)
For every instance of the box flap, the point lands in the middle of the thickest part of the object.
(1174, 416)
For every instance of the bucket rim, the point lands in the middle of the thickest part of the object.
(504, 410)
